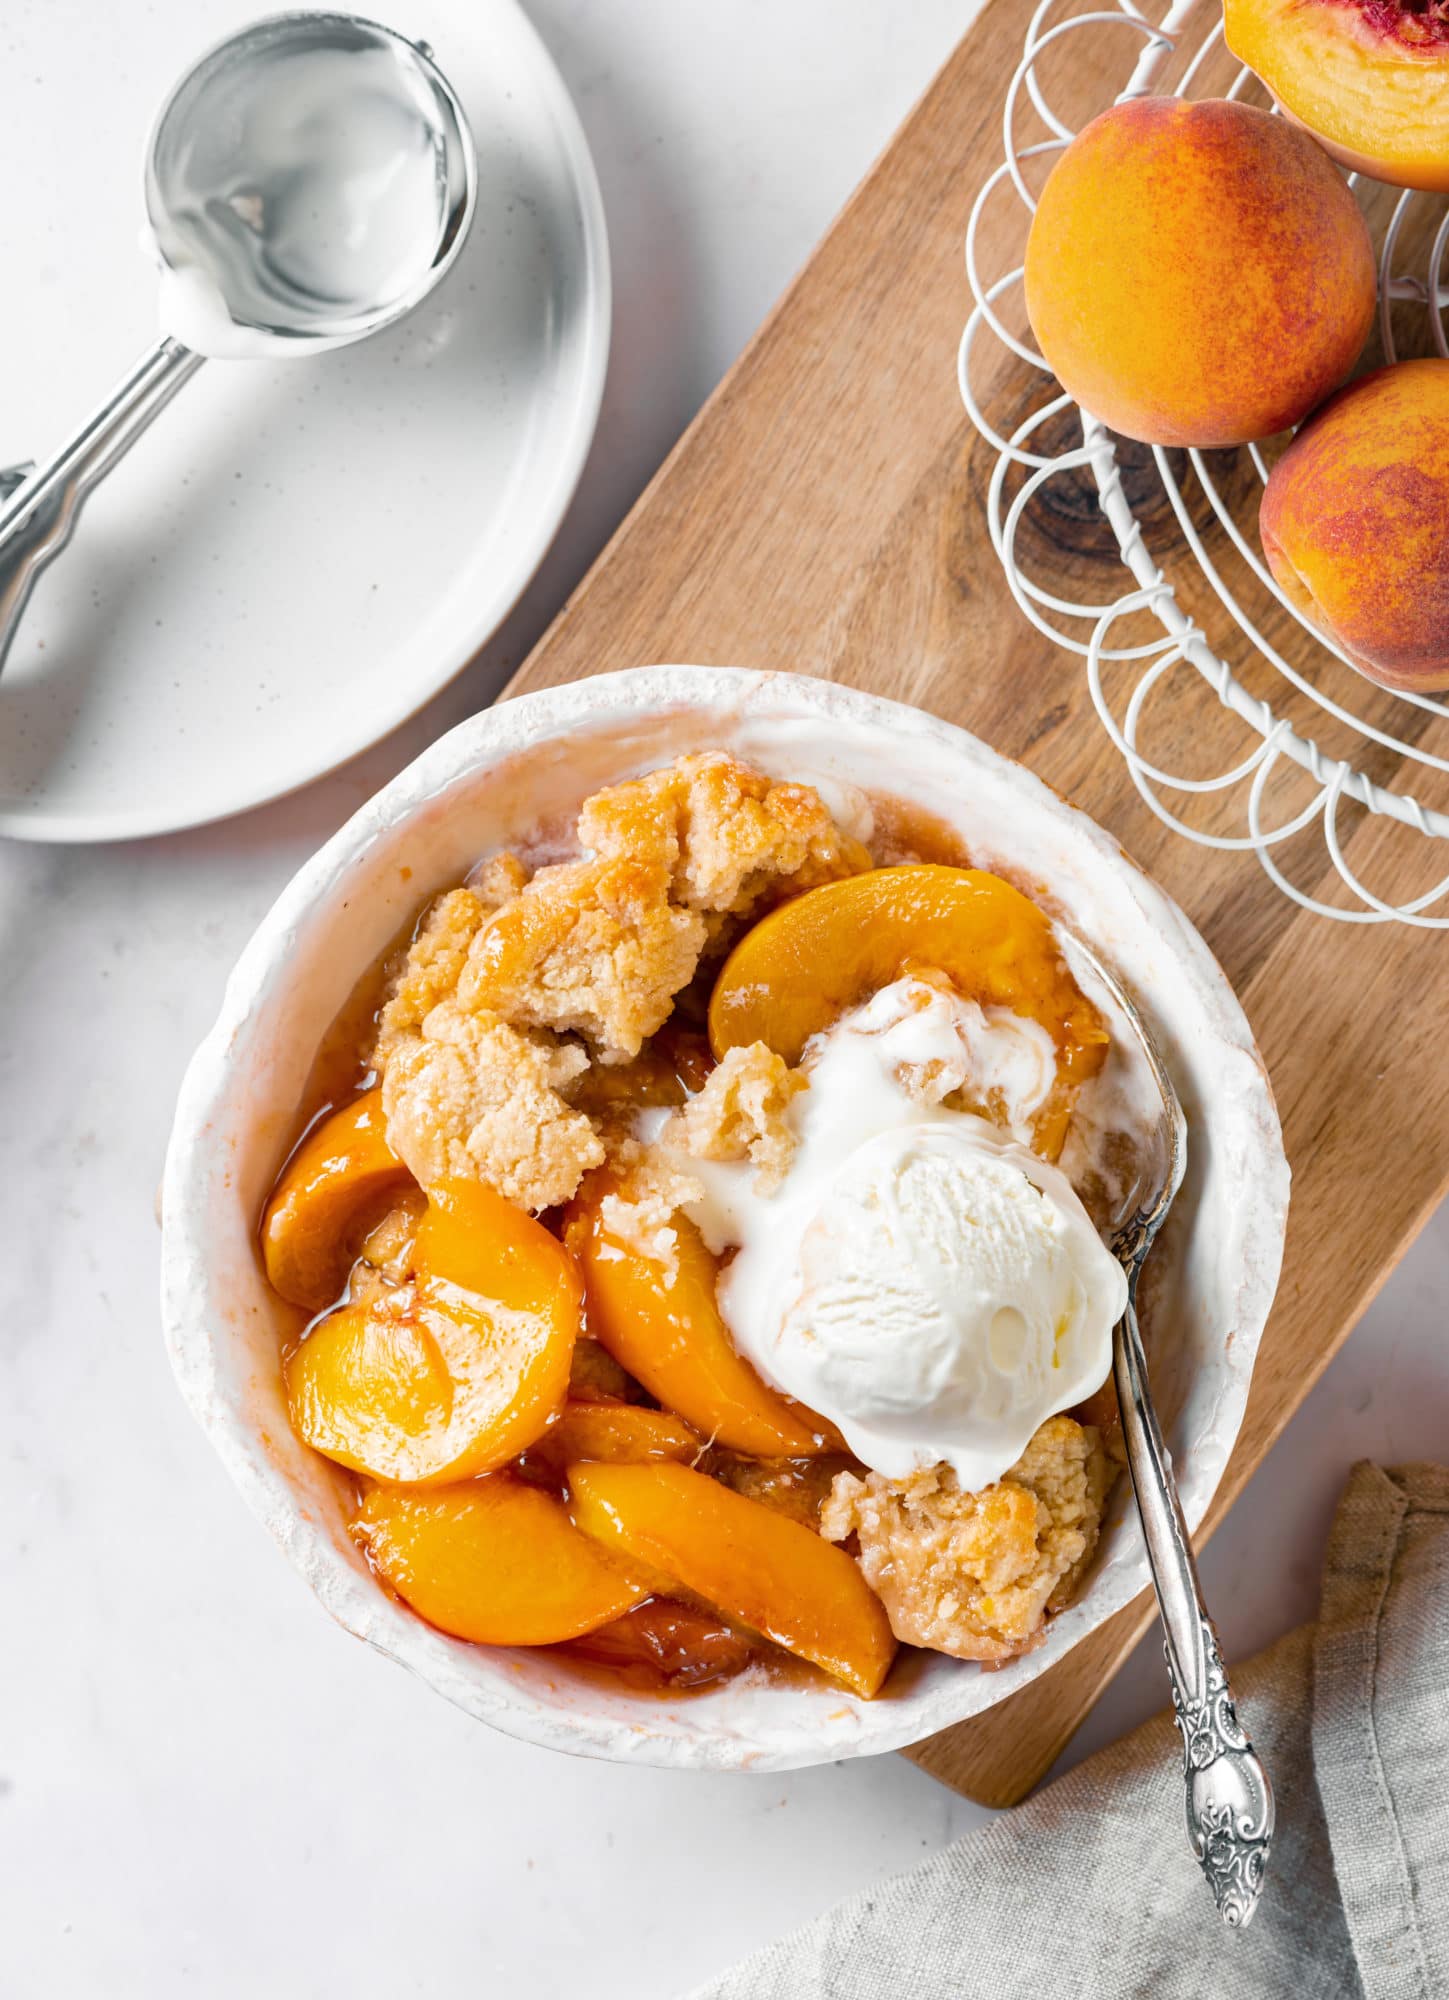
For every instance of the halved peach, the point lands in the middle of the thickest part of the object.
(751, 1564)
(456, 1373)
(337, 1185)
(616, 1434)
(660, 1321)
(493, 1560)
(1369, 81)
(803, 965)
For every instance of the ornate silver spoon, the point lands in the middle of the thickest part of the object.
(1229, 1798)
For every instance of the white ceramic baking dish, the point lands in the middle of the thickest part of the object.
(489, 781)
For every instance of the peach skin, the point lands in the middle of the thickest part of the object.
(1369, 80)
(493, 1560)
(456, 1373)
(1197, 273)
(751, 1564)
(1354, 522)
(339, 1182)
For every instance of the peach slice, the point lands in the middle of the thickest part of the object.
(456, 1373)
(616, 1434)
(337, 1185)
(808, 961)
(493, 1560)
(1354, 522)
(1369, 79)
(1197, 273)
(661, 1322)
(751, 1564)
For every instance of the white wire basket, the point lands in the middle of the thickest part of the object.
(1319, 748)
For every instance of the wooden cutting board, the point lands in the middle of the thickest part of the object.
(825, 514)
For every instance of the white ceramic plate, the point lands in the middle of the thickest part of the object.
(298, 554)
(496, 776)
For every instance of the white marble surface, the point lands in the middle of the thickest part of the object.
(204, 1787)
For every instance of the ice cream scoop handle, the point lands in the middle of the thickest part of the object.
(37, 520)
(1229, 1798)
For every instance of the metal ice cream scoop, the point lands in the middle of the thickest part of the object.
(307, 183)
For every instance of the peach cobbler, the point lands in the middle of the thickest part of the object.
(685, 1271)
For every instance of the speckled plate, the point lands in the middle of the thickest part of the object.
(481, 786)
(297, 554)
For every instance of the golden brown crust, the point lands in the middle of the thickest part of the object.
(589, 947)
(469, 1097)
(727, 835)
(475, 1080)
(974, 1574)
(498, 880)
(440, 945)
(430, 973)
(741, 1114)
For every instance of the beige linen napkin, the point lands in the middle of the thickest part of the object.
(1090, 1888)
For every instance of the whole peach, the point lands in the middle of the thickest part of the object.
(1198, 273)
(1355, 524)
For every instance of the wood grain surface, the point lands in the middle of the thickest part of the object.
(825, 514)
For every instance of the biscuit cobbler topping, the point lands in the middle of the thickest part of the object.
(687, 1278)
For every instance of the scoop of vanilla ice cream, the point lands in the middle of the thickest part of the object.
(920, 1278)
(953, 1295)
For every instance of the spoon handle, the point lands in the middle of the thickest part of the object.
(38, 519)
(1229, 1798)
